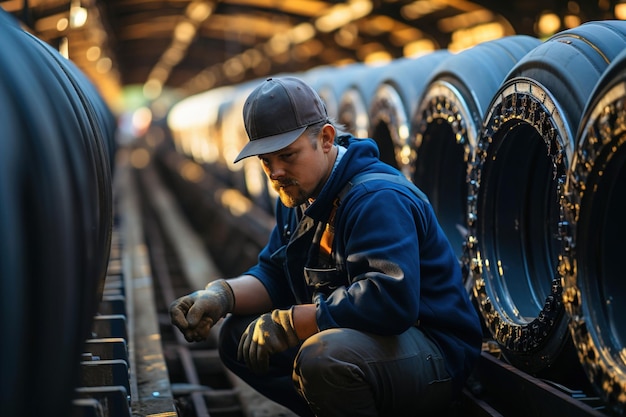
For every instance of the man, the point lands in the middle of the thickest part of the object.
(356, 306)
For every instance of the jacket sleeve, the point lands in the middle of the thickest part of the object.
(378, 235)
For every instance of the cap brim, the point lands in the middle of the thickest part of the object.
(269, 144)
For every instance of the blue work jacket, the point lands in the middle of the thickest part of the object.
(393, 265)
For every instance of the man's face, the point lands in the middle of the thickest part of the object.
(299, 171)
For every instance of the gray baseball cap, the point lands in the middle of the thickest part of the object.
(277, 112)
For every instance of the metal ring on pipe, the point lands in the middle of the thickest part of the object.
(398, 92)
(355, 101)
(331, 84)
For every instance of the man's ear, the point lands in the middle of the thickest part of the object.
(328, 137)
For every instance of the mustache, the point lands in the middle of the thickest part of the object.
(283, 183)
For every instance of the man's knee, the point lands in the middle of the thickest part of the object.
(325, 359)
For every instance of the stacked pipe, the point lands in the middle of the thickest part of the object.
(397, 93)
(516, 193)
(593, 229)
(356, 98)
(447, 121)
(56, 162)
(332, 83)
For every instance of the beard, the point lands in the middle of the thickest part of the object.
(290, 193)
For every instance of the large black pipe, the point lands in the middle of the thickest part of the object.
(89, 140)
(593, 230)
(516, 187)
(55, 219)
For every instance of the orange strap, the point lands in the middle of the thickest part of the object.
(326, 240)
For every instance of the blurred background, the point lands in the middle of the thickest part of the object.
(136, 50)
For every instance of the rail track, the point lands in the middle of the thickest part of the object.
(156, 258)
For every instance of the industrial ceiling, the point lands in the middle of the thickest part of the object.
(189, 46)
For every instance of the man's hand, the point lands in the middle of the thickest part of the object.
(196, 313)
(270, 333)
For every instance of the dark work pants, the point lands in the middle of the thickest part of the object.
(345, 372)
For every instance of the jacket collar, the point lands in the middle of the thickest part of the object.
(360, 154)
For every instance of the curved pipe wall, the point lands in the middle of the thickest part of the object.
(56, 162)
(398, 90)
(593, 230)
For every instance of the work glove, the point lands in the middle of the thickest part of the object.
(196, 313)
(270, 333)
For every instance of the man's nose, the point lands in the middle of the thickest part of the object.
(275, 171)
(277, 174)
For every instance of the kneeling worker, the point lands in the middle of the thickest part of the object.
(356, 306)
